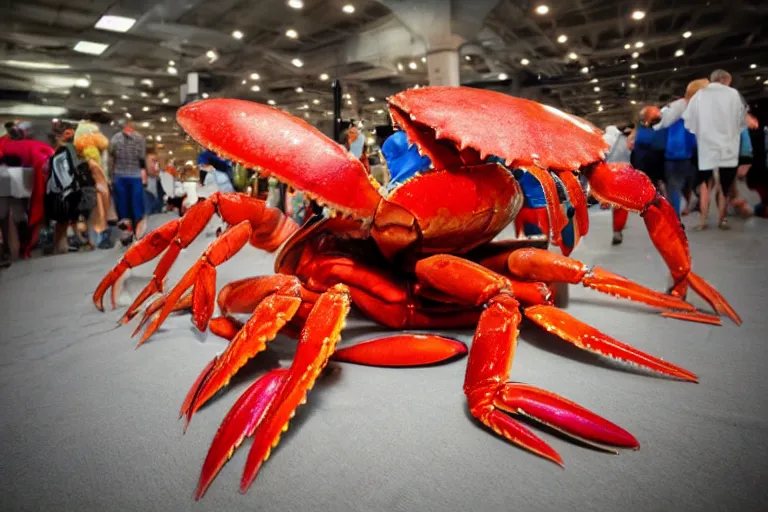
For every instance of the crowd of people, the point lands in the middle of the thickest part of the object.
(92, 192)
(696, 149)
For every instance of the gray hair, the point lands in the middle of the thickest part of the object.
(720, 76)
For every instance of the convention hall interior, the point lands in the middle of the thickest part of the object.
(383, 255)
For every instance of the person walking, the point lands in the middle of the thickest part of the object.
(619, 152)
(679, 170)
(716, 115)
(128, 149)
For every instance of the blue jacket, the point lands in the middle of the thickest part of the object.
(681, 143)
(648, 138)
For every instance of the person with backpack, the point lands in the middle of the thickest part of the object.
(70, 193)
(679, 169)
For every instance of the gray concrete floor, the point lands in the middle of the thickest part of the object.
(88, 423)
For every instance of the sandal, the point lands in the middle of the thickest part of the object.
(724, 225)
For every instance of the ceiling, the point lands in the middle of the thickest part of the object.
(373, 51)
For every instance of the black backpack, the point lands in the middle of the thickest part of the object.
(71, 189)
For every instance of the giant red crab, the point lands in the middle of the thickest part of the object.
(422, 257)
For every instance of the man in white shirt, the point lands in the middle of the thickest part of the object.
(717, 116)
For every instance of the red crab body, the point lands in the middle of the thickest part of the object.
(422, 257)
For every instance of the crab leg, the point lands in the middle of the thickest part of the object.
(490, 361)
(316, 344)
(267, 319)
(541, 265)
(185, 302)
(202, 275)
(269, 229)
(190, 227)
(621, 185)
(146, 250)
(468, 280)
(489, 393)
(557, 218)
(239, 423)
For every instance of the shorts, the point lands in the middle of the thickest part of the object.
(727, 177)
(745, 160)
(129, 197)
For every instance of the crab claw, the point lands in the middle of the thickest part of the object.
(260, 136)
(239, 423)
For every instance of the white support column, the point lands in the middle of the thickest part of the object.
(443, 67)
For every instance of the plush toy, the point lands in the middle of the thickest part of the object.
(90, 144)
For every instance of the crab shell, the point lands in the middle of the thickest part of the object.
(453, 125)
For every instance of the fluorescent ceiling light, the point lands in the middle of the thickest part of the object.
(163, 119)
(147, 82)
(297, 62)
(679, 53)
(172, 70)
(205, 95)
(28, 64)
(271, 102)
(542, 9)
(324, 77)
(82, 82)
(237, 34)
(687, 34)
(503, 76)
(32, 110)
(295, 4)
(145, 109)
(90, 47)
(412, 65)
(349, 8)
(562, 38)
(165, 100)
(291, 33)
(525, 62)
(255, 88)
(315, 101)
(115, 23)
(573, 56)
(255, 76)
(299, 90)
(585, 70)
(638, 15)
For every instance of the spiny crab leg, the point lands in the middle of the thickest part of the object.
(466, 279)
(190, 226)
(490, 395)
(185, 302)
(621, 185)
(239, 423)
(202, 275)
(540, 265)
(490, 361)
(317, 342)
(269, 229)
(146, 250)
(267, 319)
